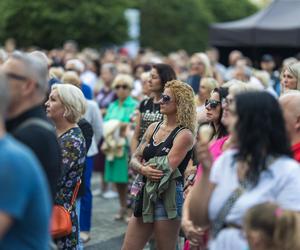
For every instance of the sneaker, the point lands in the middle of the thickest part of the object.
(85, 237)
(110, 194)
(97, 192)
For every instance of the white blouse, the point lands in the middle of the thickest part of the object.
(280, 183)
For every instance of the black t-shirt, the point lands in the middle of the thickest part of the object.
(163, 148)
(42, 141)
(87, 132)
(150, 112)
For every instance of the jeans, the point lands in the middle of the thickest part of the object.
(86, 200)
(78, 202)
(160, 212)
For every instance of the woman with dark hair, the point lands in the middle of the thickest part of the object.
(214, 112)
(259, 170)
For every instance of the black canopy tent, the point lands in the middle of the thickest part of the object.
(274, 28)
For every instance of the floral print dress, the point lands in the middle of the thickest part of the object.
(73, 150)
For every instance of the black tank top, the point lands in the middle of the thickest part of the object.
(163, 148)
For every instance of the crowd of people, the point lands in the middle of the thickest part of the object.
(190, 147)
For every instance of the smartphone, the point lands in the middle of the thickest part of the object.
(189, 181)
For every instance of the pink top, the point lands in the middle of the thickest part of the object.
(215, 150)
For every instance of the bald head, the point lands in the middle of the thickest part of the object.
(290, 104)
(291, 101)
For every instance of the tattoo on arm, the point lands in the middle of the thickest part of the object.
(135, 161)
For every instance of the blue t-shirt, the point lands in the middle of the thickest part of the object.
(87, 91)
(24, 196)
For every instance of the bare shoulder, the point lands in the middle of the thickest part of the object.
(185, 137)
(151, 128)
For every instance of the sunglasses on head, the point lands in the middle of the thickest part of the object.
(212, 103)
(121, 86)
(165, 99)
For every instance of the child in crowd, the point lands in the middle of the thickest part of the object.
(268, 226)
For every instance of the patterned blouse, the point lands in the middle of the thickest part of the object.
(73, 150)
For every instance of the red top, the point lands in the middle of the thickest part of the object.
(296, 151)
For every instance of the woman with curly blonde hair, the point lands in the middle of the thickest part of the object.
(161, 158)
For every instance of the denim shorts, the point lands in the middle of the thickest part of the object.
(159, 209)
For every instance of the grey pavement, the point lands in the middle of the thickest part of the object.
(106, 233)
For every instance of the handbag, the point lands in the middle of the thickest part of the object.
(61, 223)
(138, 197)
(138, 204)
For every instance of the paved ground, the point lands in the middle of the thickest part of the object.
(106, 233)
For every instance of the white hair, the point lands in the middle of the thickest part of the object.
(40, 55)
(76, 65)
(73, 100)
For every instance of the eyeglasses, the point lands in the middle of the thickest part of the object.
(227, 101)
(16, 76)
(212, 103)
(121, 86)
(165, 99)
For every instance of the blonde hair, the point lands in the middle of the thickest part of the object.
(205, 60)
(263, 77)
(279, 228)
(145, 76)
(56, 72)
(294, 69)
(184, 99)
(231, 82)
(210, 83)
(73, 100)
(238, 88)
(71, 77)
(123, 79)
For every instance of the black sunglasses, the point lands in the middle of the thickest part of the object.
(165, 99)
(16, 76)
(121, 86)
(212, 103)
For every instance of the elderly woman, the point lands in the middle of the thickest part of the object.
(94, 118)
(290, 77)
(258, 170)
(161, 158)
(65, 106)
(116, 168)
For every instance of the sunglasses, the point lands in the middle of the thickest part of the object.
(121, 86)
(212, 103)
(16, 76)
(165, 99)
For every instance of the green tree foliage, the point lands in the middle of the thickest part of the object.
(228, 10)
(168, 25)
(47, 23)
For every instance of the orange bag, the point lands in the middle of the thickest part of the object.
(61, 223)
